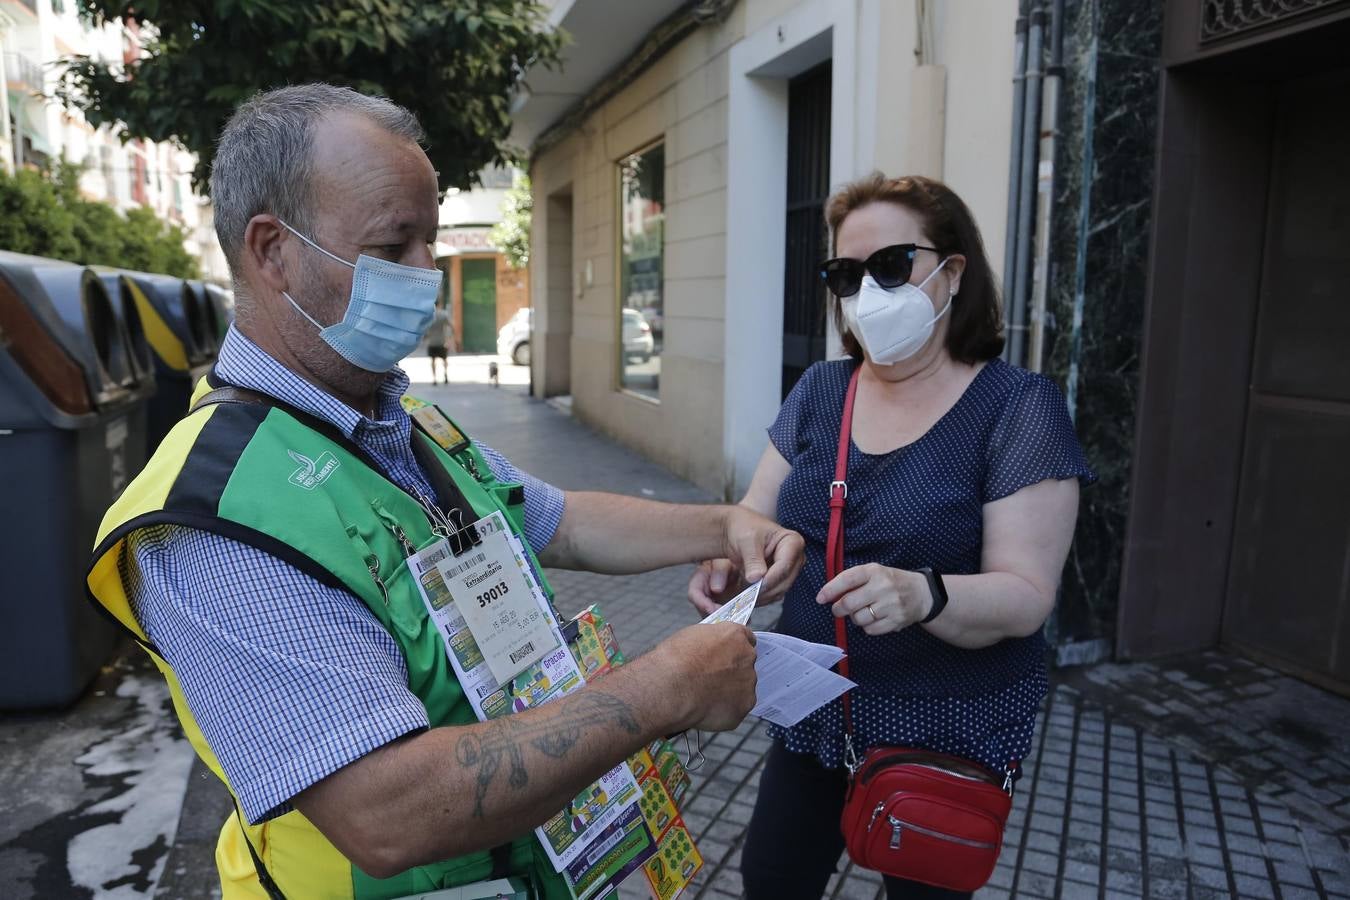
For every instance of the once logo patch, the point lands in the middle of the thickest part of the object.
(312, 472)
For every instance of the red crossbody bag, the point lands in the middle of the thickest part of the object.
(912, 813)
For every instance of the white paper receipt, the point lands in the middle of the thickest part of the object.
(737, 609)
(793, 678)
(492, 593)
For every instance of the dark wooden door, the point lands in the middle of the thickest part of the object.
(808, 186)
(1288, 598)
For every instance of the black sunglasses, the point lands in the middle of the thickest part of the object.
(890, 266)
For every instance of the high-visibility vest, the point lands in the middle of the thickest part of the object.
(294, 487)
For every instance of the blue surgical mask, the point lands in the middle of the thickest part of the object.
(390, 308)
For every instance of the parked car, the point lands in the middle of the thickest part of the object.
(637, 337)
(513, 341)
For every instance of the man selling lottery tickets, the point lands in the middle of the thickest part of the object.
(345, 593)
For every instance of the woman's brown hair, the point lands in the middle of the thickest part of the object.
(976, 330)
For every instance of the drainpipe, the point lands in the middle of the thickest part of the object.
(1084, 219)
(1045, 185)
(1015, 156)
(1026, 196)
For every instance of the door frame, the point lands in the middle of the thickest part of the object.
(848, 34)
(1217, 102)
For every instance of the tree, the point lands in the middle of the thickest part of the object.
(512, 234)
(47, 216)
(455, 63)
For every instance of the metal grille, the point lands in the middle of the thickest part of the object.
(1226, 18)
(808, 186)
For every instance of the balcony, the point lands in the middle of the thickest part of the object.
(30, 5)
(21, 72)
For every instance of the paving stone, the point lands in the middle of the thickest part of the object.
(1248, 865)
(1253, 886)
(855, 888)
(1078, 890)
(1293, 873)
(1035, 883)
(1044, 863)
(1202, 834)
(1125, 882)
(1121, 839)
(1238, 843)
(1209, 856)
(1003, 874)
(1294, 892)
(1166, 867)
(1210, 876)
(1166, 888)
(1122, 860)
(1164, 828)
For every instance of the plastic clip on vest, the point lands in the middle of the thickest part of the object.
(912, 813)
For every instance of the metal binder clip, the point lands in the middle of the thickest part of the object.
(695, 758)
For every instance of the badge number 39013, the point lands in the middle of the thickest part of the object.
(508, 622)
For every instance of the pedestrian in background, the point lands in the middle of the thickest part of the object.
(961, 495)
(439, 337)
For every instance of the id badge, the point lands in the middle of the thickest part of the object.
(508, 621)
(437, 425)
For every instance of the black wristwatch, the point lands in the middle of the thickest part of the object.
(939, 592)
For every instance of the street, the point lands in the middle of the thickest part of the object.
(1212, 778)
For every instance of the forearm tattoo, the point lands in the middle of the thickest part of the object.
(503, 741)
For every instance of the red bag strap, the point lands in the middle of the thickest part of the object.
(834, 546)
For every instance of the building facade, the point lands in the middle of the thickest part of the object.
(1148, 176)
(681, 162)
(38, 131)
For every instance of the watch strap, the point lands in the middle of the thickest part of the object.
(939, 592)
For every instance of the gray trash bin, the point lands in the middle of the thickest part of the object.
(178, 330)
(223, 300)
(215, 327)
(73, 417)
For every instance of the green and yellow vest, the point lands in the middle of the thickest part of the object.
(287, 484)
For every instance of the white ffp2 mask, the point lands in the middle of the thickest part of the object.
(892, 325)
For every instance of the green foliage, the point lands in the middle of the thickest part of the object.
(453, 62)
(47, 216)
(512, 234)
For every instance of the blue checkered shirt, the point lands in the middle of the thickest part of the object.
(289, 679)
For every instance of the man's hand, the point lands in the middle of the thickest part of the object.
(762, 549)
(711, 670)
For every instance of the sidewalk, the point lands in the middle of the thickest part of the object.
(1209, 777)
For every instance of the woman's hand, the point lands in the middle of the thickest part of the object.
(713, 583)
(878, 599)
(716, 581)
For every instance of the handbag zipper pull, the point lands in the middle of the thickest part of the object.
(875, 812)
(895, 832)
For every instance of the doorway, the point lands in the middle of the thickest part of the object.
(555, 336)
(1288, 597)
(807, 241)
(479, 292)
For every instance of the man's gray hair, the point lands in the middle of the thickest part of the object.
(263, 159)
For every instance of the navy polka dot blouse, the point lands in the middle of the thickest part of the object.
(921, 505)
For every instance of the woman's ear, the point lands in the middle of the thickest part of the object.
(955, 268)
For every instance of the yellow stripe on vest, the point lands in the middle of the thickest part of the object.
(145, 494)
